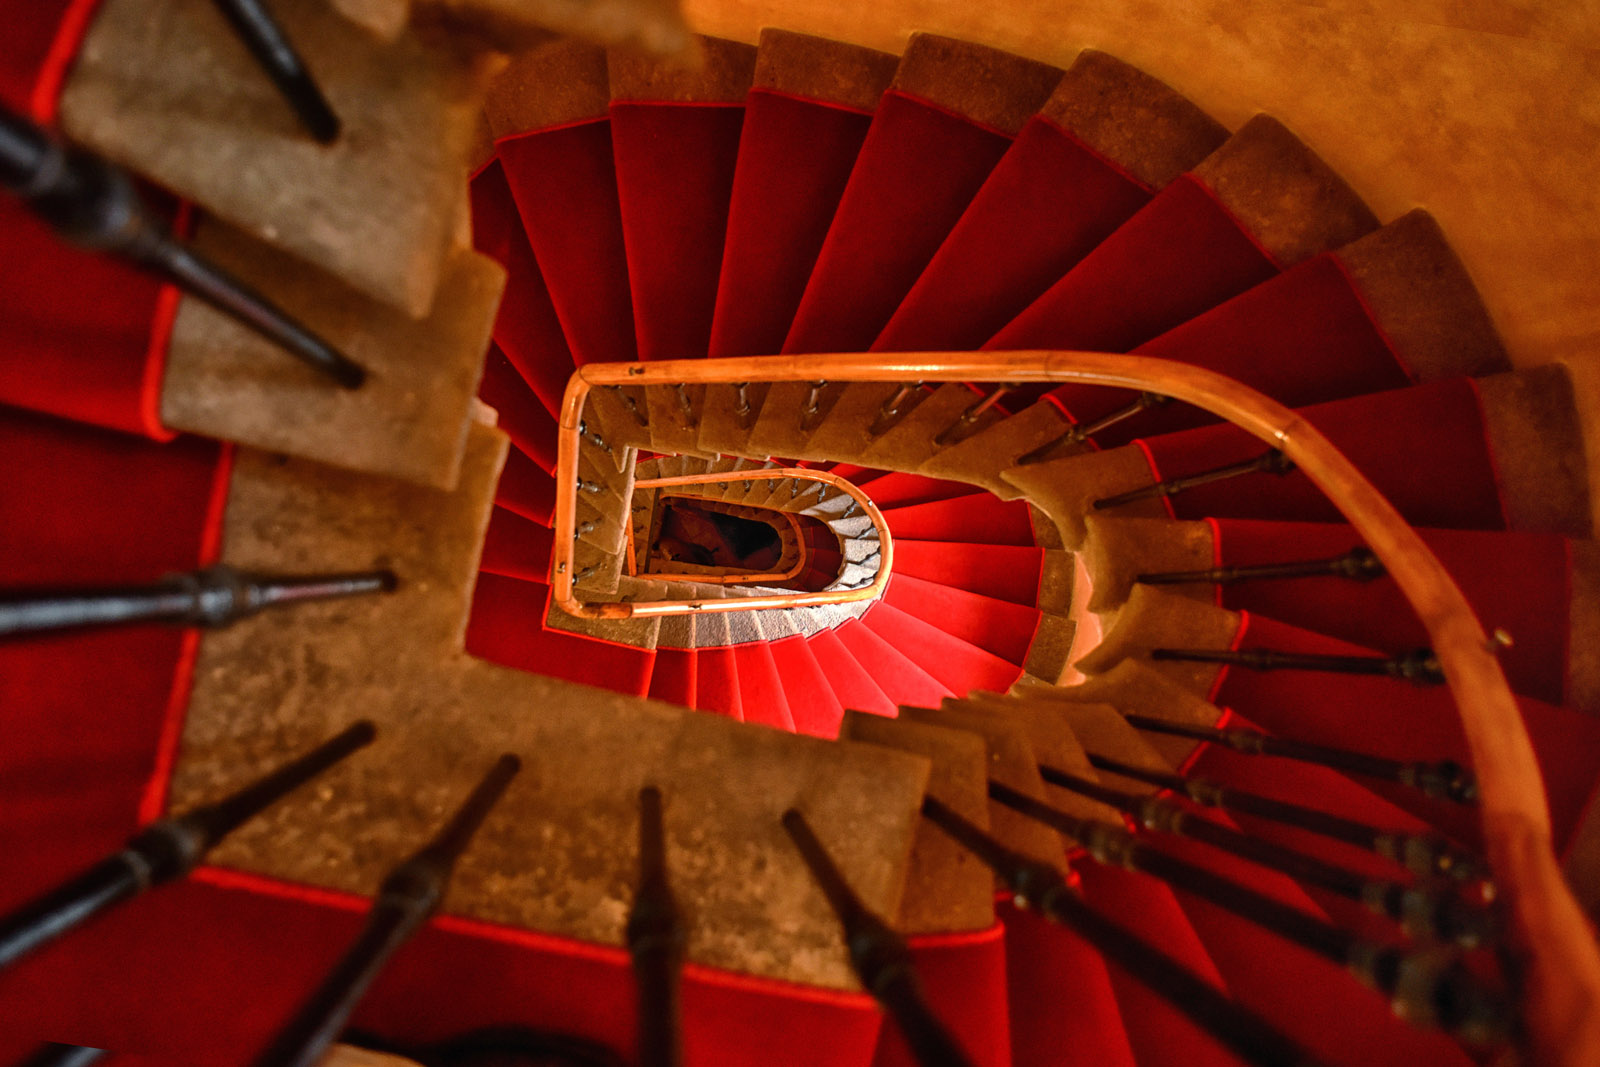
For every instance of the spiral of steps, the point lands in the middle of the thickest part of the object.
(1099, 599)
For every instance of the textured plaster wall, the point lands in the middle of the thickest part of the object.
(1485, 112)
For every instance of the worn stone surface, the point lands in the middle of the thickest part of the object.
(984, 84)
(376, 209)
(1134, 120)
(1066, 489)
(1152, 618)
(1057, 577)
(724, 76)
(949, 889)
(777, 429)
(1104, 732)
(1423, 299)
(1013, 762)
(1132, 688)
(981, 458)
(722, 428)
(1531, 420)
(409, 420)
(819, 69)
(1048, 725)
(671, 428)
(914, 438)
(559, 83)
(656, 27)
(1052, 641)
(1288, 199)
(558, 854)
(1117, 551)
(846, 429)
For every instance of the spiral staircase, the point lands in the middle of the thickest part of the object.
(993, 580)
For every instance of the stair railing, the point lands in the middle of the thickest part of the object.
(1561, 968)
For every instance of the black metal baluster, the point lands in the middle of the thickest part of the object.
(1426, 854)
(1269, 462)
(631, 404)
(741, 402)
(1419, 665)
(656, 937)
(215, 597)
(162, 852)
(1357, 565)
(890, 411)
(1079, 434)
(55, 1055)
(1420, 912)
(685, 403)
(1444, 780)
(90, 202)
(1042, 888)
(592, 437)
(272, 49)
(409, 895)
(963, 426)
(881, 958)
(812, 406)
(1426, 988)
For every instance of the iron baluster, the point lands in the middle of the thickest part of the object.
(1426, 854)
(880, 957)
(1269, 462)
(741, 403)
(163, 852)
(1042, 888)
(812, 406)
(656, 938)
(1426, 988)
(1077, 435)
(215, 597)
(685, 403)
(891, 408)
(963, 426)
(408, 896)
(272, 49)
(587, 486)
(1357, 565)
(52, 1054)
(592, 437)
(1419, 911)
(630, 403)
(93, 203)
(584, 527)
(1443, 780)
(1420, 665)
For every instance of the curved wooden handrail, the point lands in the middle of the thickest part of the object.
(616, 609)
(1562, 975)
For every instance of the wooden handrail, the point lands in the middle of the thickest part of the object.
(562, 561)
(1562, 968)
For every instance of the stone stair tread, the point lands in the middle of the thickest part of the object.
(407, 421)
(1013, 762)
(212, 129)
(913, 440)
(948, 888)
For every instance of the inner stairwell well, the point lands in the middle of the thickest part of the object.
(1050, 627)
